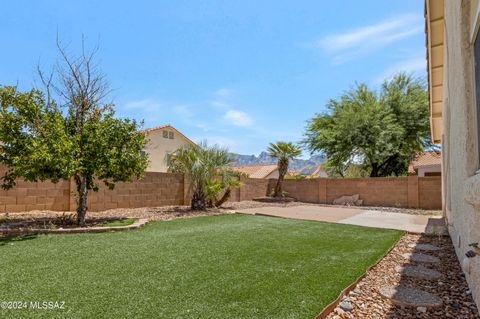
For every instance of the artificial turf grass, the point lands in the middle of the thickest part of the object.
(205, 267)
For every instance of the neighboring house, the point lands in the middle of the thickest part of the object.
(161, 142)
(258, 170)
(426, 164)
(453, 55)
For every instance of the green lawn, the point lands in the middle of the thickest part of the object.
(228, 266)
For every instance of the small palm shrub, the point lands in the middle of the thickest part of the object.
(207, 168)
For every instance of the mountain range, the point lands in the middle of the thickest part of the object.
(301, 166)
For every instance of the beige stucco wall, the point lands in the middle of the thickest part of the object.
(425, 170)
(158, 147)
(461, 191)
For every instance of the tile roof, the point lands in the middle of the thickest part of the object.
(255, 171)
(156, 128)
(425, 159)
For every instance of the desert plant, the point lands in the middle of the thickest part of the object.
(204, 165)
(284, 152)
(229, 180)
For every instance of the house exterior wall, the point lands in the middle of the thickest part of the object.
(158, 147)
(461, 182)
(429, 170)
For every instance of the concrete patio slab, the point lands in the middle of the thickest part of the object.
(355, 216)
(319, 213)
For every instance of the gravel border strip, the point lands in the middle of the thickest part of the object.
(331, 307)
(96, 229)
(365, 300)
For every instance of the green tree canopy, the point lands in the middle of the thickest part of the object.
(380, 131)
(85, 141)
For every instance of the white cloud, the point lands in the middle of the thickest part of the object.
(411, 66)
(223, 93)
(360, 41)
(238, 118)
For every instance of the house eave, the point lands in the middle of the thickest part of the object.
(434, 29)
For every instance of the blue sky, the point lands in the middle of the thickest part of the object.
(238, 73)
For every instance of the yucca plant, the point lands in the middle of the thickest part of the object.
(284, 152)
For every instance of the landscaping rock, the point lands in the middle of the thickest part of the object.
(420, 272)
(410, 297)
(425, 247)
(422, 309)
(346, 306)
(421, 258)
(353, 200)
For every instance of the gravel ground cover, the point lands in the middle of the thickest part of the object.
(365, 301)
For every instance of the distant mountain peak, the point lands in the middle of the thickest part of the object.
(301, 166)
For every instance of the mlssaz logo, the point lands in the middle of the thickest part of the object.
(47, 305)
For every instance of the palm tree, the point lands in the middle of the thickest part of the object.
(284, 152)
(203, 164)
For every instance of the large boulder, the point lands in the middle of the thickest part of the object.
(353, 200)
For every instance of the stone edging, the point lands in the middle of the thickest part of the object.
(329, 308)
(96, 229)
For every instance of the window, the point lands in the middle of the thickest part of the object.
(170, 135)
(165, 134)
(476, 48)
(168, 158)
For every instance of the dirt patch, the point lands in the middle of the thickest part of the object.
(52, 219)
(65, 221)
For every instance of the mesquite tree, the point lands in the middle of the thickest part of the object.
(378, 131)
(81, 139)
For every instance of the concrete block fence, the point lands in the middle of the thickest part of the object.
(160, 189)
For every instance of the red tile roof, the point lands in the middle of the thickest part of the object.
(255, 171)
(425, 159)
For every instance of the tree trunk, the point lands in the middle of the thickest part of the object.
(374, 172)
(282, 170)
(82, 190)
(198, 200)
(224, 198)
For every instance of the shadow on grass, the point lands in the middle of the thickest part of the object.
(12, 239)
